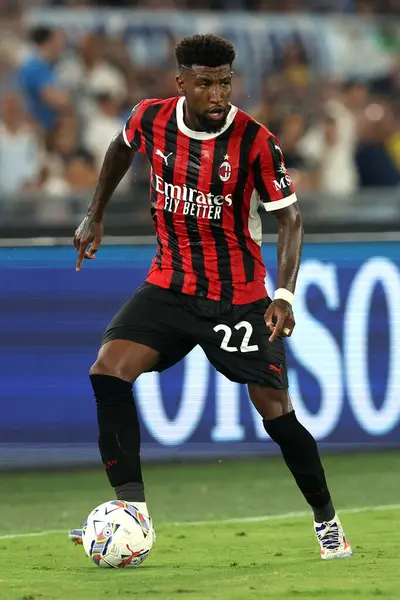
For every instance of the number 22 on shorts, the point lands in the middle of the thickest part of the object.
(244, 346)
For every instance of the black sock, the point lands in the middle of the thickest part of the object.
(119, 435)
(300, 452)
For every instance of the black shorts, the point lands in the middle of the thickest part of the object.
(233, 337)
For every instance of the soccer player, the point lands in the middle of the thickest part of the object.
(213, 166)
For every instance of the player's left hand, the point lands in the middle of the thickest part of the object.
(280, 320)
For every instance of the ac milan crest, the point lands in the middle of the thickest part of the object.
(225, 169)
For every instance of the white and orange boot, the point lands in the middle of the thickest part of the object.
(332, 539)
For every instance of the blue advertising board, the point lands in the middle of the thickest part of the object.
(344, 357)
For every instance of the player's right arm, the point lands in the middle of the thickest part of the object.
(117, 161)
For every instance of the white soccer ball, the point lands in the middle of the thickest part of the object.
(117, 535)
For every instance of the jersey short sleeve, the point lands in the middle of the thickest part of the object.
(271, 177)
(132, 131)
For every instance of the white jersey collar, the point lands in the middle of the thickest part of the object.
(201, 135)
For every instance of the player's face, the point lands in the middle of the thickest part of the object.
(207, 91)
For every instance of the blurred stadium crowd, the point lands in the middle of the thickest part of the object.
(281, 6)
(61, 104)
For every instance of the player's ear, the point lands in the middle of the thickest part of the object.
(180, 84)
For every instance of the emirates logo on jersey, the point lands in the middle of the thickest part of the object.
(189, 201)
(225, 169)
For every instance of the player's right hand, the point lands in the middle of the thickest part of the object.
(88, 232)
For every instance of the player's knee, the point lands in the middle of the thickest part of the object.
(269, 402)
(100, 367)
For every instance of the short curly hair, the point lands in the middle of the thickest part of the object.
(206, 50)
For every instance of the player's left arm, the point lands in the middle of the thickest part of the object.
(275, 187)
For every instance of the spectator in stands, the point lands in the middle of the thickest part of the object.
(375, 165)
(87, 71)
(294, 66)
(330, 144)
(70, 167)
(290, 134)
(331, 156)
(103, 124)
(269, 110)
(118, 56)
(19, 150)
(38, 78)
(293, 129)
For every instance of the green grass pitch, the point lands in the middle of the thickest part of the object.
(272, 559)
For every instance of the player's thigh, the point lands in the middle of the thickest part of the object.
(148, 333)
(238, 345)
(124, 359)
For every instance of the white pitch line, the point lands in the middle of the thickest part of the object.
(12, 536)
(260, 519)
(290, 515)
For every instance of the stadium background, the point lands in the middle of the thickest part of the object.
(325, 77)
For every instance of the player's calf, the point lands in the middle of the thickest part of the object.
(119, 436)
(119, 363)
(300, 452)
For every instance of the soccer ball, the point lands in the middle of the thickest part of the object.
(117, 535)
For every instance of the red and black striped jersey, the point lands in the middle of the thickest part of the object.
(205, 191)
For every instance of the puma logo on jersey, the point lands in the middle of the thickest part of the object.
(165, 158)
